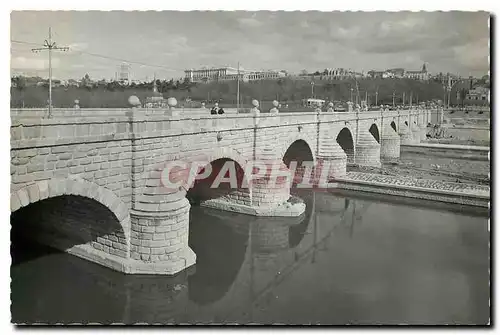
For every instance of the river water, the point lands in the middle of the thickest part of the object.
(347, 260)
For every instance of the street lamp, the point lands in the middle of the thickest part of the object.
(351, 93)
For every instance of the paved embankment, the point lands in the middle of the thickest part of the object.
(458, 193)
(448, 150)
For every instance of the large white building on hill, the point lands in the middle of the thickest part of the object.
(205, 75)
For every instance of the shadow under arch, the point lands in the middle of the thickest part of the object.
(298, 151)
(208, 188)
(346, 142)
(375, 133)
(220, 241)
(393, 125)
(65, 221)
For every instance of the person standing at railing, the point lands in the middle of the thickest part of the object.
(330, 108)
(216, 110)
(275, 109)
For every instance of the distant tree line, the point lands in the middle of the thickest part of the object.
(113, 94)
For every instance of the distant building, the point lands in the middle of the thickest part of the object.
(124, 73)
(156, 100)
(418, 75)
(397, 72)
(230, 73)
(380, 74)
(478, 94)
(72, 82)
(376, 74)
(341, 73)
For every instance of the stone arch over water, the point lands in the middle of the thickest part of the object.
(346, 142)
(226, 178)
(66, 214)
(393, 125)
(299, 151)
(375, 132)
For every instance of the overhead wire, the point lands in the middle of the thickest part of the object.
(105, 57)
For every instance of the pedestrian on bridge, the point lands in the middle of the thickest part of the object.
(216, 110)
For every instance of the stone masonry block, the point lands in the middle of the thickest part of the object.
(15, 203)
(34, 193)
(23, 197)
(43, 187)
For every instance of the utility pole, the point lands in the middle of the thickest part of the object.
(238, 90)
(312, 89)
(403, 98)
(376, 98)
(49, 45)
(393, 97)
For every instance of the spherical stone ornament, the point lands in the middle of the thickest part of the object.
(255, 103)
(77, 101)
(134, 101)
(172, 102)
(275, 103)
(330, 104)
(216, 104)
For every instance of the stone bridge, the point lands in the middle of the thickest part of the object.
(91, 178)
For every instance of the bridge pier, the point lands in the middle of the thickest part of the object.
(416, 132)
(390, 144)
(423, 130)
(159, 232)
(331, 160)
(265, 195)
(406, 134)
(367, 150)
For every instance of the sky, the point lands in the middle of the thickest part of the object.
(168, 42)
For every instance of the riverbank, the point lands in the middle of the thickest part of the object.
(444, 169)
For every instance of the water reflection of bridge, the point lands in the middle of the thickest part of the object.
(275, 249)
(242, 259)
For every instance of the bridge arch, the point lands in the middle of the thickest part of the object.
(79, 187)
(226, 153)
(375, 132)
(394, 126)
(70, 197)
(221, 170)
(218, 159)
(346, 142)
(299, 141)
